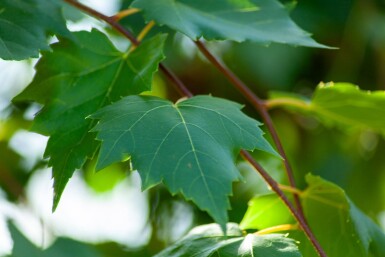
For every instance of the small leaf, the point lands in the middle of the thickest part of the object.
(75, 80)
(266, 211)
(191, 146)
(25, 25)
(340, 103)
(209, 241)
(262, 21)
(334, 218)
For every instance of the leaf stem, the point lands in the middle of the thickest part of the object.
(122, 14)
(260, 106)
(145, 30)
(279, 228)
(286, 101)
(296, 214)
(290, 189)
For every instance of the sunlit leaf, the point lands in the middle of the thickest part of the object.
(191, 146)
(266, 211)
(75, 80)
(25, 25)
(340, 103)
(209, 241)
(262, 21)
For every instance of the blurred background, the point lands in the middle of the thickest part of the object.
(107, 212)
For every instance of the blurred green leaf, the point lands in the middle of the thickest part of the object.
(209, 241)
(63, 247)
(191, 145)
(262, 21)
(339, 103)
(105, 179)
(25, 25)
(331, 214)
(266, 211)
(76, 79)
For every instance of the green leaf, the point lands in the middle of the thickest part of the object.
(334, 218)
(191, 146)
(340, 103)
(25, 25)
(262, 21)
(209, 241)
(62, 247)
(75, 80)
(266, 211)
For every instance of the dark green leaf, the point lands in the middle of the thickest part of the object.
(190, 146)
(341, 103)
(266, 211)
(262, 21)
(25, 24)
(62, 247)
(75, 80)
(209, 241)
(334, 218)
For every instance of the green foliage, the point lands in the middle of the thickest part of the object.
(262, 21)
(25, 25)
(357, 235)
(209, 241)
(265, 211)
(340, 103)
(62, 247)
(100, 112)
(192, 150)
(330, 214)
(75, 80)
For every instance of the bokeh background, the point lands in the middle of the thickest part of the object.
(107, 210)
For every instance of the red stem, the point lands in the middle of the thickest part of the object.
(249, 95)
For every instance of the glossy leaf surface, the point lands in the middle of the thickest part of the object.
(191, 146)
(75, 80)
(25, 25)
(262, 21)
(209, 241)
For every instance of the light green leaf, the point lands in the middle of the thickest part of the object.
(62, 247)
(262, 21)
(191, 146)
(25, 25)
(340, 103)
(209, 241)
(266, 211)
(75, 80)
(340, 227)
